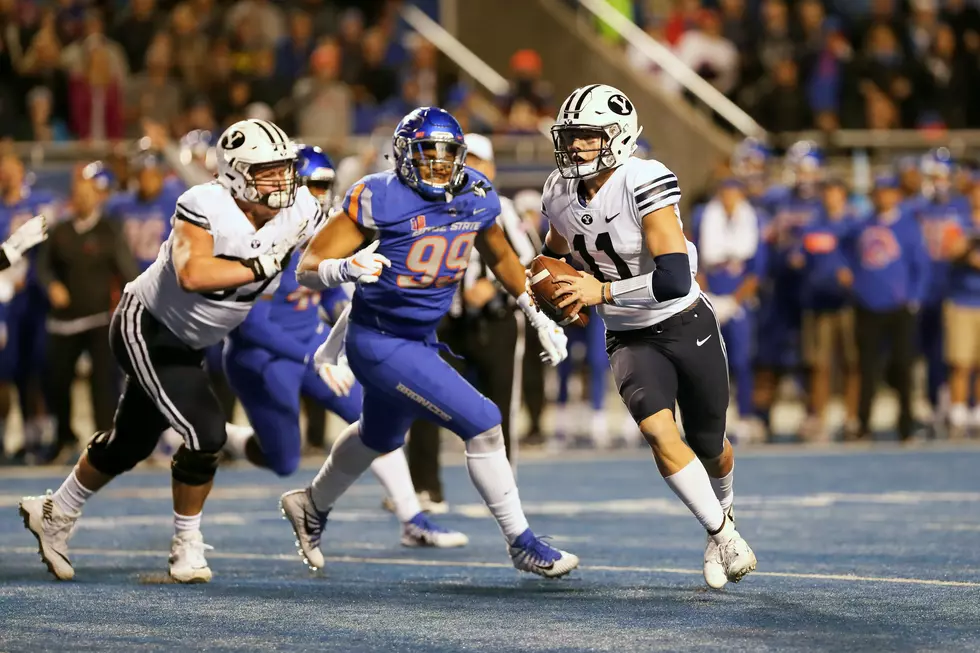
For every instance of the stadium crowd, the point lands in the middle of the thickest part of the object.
(808, 277)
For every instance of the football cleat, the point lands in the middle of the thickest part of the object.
(422, 531)
(308, 524)
(736, 555)
(532, 554)
(53, 528)
(187, 562)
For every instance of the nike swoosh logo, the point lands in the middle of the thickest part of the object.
(608, 220)
(701, 342)
(476, 211)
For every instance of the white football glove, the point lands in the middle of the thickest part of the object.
(276, 258)
(29, 234)
(338, 378)
(554, 342)
(364, 266)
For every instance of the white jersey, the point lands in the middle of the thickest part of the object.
(607, 235)
(203, 319)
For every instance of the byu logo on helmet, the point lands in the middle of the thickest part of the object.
(596, 130)
(621, 105)
(257, 164)
(233, 141)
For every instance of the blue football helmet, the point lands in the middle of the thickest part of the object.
(805, 163)
(316, 172)
(750, 158)
(100, 175)
(429, 151)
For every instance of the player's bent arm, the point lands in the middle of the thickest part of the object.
(337, 240)
(665, 241)
(496, 252)
(555, 245)
(198, 270)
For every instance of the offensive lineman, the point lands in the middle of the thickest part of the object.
(229, 241)
(618, 215)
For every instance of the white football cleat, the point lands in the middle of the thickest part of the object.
(308, 524)
(714, 568)
(53, 528)
(736, 556)
(187, 562)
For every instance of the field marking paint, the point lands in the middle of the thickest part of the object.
(411, 562)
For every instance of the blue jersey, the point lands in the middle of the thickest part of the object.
(824, 244)
(145, 224)
(428, 243)
(288, 322)
(964, 281)
(940, 221)
(890, 262)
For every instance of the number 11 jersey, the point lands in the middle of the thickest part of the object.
(606, 234)
(428, 243)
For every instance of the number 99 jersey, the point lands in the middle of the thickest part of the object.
(428, 243)
(606, 236)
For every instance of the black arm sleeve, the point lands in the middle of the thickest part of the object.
(547, 251)
(672, 278)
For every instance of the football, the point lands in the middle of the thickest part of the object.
(544, 269)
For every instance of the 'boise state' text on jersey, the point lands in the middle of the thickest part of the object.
(428, 243)
(606, 235)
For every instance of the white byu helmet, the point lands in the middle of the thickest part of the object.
(600, 112)
(248, 147)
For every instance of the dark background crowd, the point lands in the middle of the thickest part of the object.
(163, 78)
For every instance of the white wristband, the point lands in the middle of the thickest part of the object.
(331, 272)
(635, 292)
(537, 318)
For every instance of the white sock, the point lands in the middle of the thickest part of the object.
(959, 415)
(486, 461)
(72, 495)
(693, 487)
(347, 461)
(238, 437)
(723, 489)
(392, 472)
(185, 524)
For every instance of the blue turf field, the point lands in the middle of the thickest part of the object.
(858, 550)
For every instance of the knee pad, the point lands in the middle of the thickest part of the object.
(113, 455)
(486, 442)
(194, 467)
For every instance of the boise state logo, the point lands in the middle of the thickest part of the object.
(879, 248)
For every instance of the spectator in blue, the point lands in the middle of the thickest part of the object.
(891, 273)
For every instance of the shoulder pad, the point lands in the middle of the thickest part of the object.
(651, 185)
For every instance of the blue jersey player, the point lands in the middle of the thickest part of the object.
(421, 219)
(144, 214)
(268, 360)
